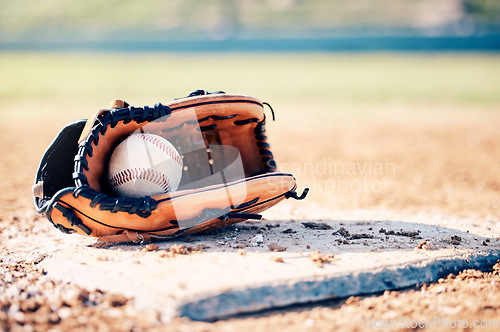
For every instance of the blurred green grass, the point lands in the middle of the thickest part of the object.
(319, 81)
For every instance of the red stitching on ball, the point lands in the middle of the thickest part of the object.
(162, 146)
(147, 174)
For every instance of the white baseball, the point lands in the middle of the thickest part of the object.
(144, 165)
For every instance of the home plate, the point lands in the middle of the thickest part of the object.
(254, 266)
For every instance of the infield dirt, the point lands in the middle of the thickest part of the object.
(376, 168)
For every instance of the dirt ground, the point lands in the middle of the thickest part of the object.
(403, 163)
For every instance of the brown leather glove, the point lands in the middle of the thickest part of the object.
(229, 172)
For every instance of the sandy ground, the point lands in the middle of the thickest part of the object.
(406, 164)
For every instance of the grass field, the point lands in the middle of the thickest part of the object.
(320, 82)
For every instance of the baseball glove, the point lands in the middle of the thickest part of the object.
(229, 173)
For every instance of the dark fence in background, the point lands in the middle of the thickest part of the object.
(482, 43)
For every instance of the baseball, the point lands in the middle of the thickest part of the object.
(144, 165)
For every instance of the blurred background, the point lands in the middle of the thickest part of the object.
(250, 25)
(412, 85)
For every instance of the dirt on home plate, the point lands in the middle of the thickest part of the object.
(440, 165)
